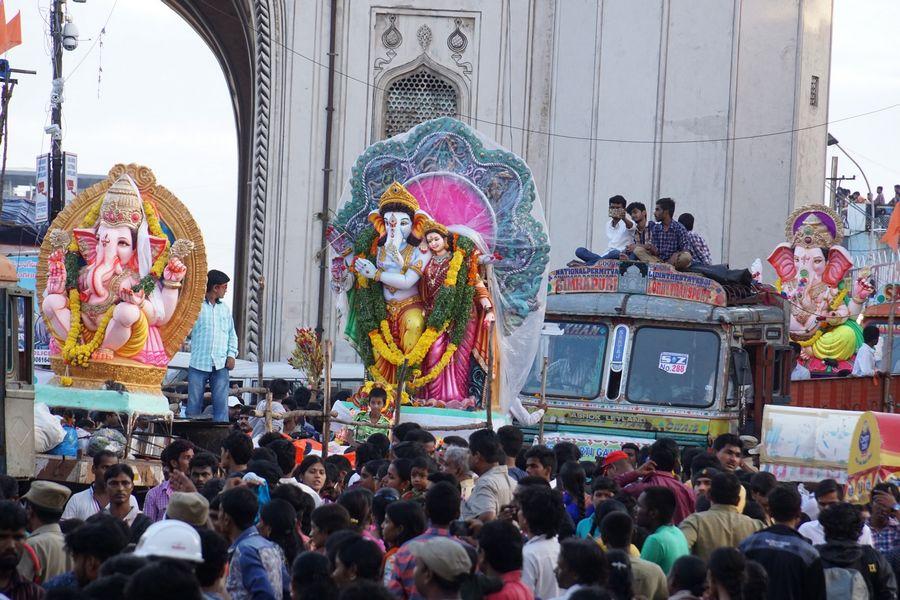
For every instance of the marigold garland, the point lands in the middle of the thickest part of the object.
(79, 354)
(379, 379)
(420, 380)
(451, 313)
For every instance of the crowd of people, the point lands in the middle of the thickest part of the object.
(407, 516)
(632, 236)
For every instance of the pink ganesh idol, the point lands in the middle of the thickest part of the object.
(127, 282)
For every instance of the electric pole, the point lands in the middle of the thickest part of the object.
(56, 99)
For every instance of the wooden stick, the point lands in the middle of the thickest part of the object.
(326, 400)
(231, 392)
(543, 397)
(457, 427)
(268, 412)
(401, 383)
(488, 392)
(291, 413)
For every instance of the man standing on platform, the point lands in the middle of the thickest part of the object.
(213, 350)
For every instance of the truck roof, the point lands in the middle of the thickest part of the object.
(640, 306)
(656, 291)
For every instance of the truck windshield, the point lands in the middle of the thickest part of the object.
(673, 367)
(575, 352)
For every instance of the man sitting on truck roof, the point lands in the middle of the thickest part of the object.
(642, 248)
(669, 236)
(619, 230)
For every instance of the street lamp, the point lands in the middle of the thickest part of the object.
(832, 141)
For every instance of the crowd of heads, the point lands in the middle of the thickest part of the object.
(389, 520)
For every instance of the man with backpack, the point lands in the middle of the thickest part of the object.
(852, 570)
(793, 565)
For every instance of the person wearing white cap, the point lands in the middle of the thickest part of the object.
(442, 566)
(170, 539)
(234, 409)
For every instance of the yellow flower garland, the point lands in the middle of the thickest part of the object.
(383, 341)
(436, 370)
(79, 354)
(378, 379)
(453, 269)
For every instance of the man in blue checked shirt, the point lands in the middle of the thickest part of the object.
(213, 348)
(669, 236)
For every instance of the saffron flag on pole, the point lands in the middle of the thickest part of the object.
(10, 33)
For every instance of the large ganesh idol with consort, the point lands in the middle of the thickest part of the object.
(439, 265)
(121, 274)
(813, 271)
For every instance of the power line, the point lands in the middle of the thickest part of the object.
(96, 39)
(570, 136)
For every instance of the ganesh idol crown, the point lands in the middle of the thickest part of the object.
(121, 276)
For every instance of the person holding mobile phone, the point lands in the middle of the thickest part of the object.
(619, 232)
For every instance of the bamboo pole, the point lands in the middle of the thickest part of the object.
(291, 413)
(456, 427)
(231, 392)
(268, 412)
(543, 398)
(488, 392)
(326, 400)
(401, 384)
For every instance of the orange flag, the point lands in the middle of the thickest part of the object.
(10, 33)
(4, 38)
(14, 31)
(891, 236)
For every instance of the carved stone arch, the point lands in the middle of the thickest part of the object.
(423, 62)
(246, 38)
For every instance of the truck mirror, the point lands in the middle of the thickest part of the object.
(741, 374)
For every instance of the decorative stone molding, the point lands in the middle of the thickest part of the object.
(259, 170)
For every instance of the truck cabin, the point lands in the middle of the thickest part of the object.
(643, 351)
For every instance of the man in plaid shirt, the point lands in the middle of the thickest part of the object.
(669, 236)
(213, 349)
(696, 244)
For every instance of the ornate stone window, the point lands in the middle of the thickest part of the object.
(417, 96)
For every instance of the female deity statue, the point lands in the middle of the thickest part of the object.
(452, 382)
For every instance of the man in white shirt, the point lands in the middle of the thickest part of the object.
(619, 232)
(96, 498)
(829, 492)
(800, 372)
(864, 364)
(539, 518)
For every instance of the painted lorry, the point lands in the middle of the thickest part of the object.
(639, 351)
